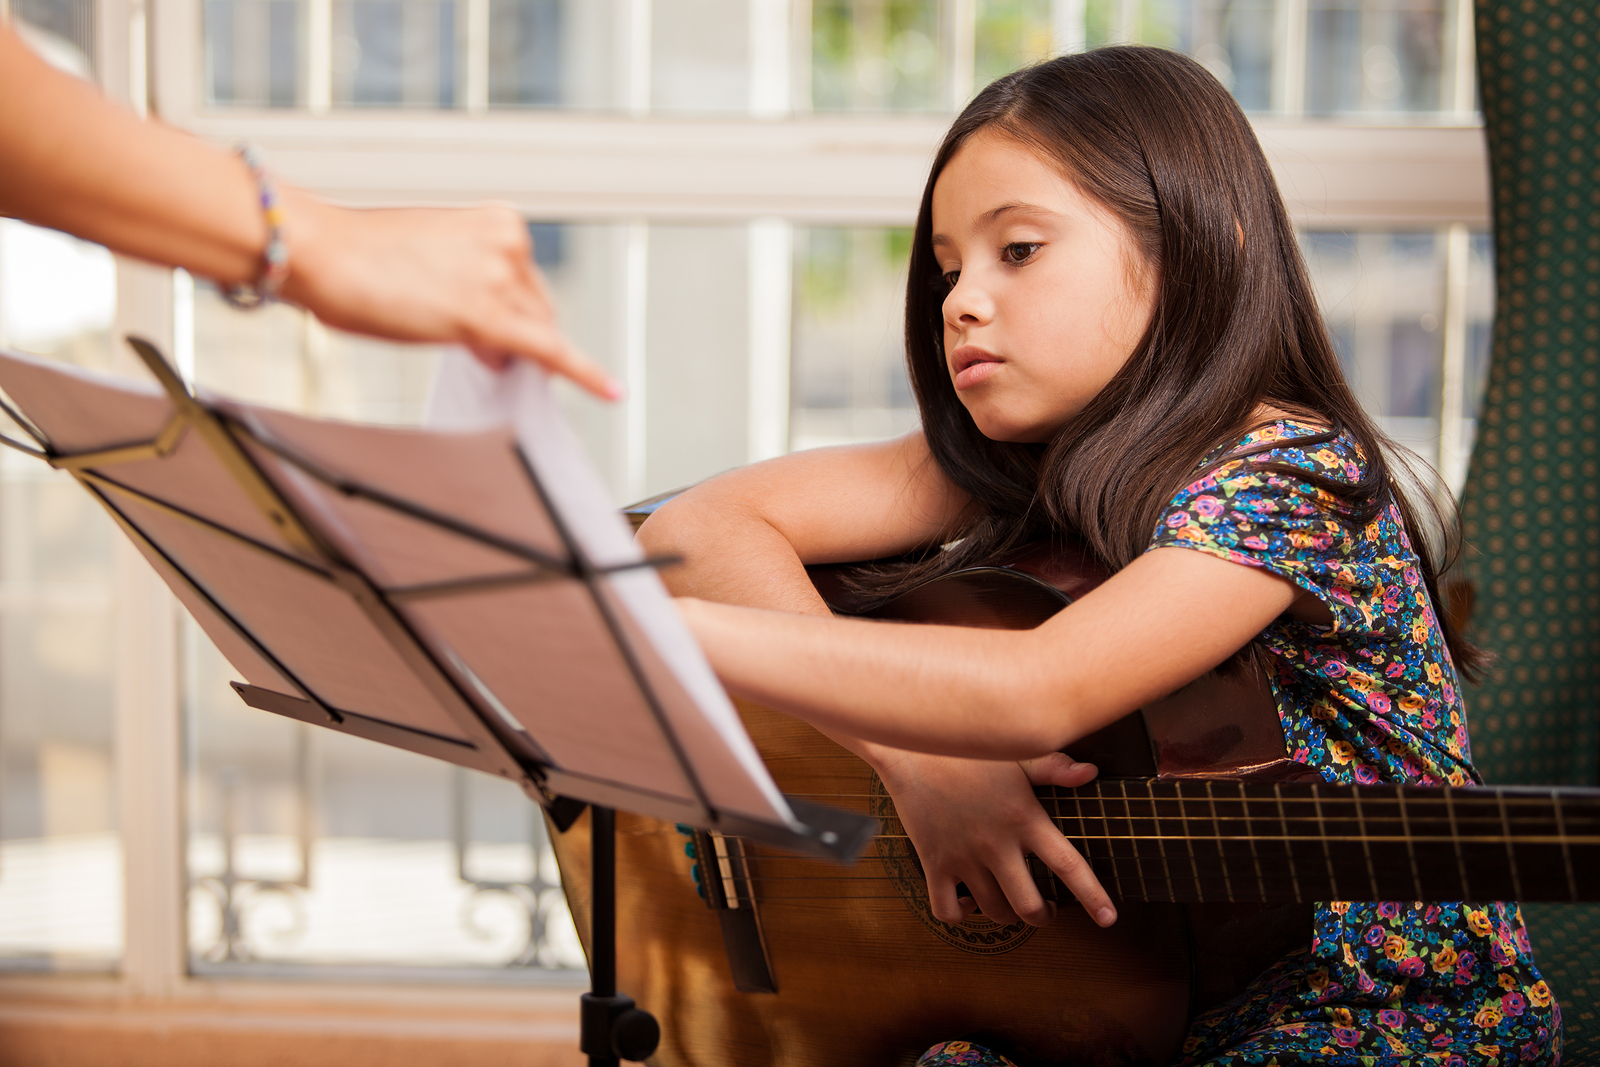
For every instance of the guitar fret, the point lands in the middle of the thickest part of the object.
(1461, 860)
(1138, 861)
(1411, 851)
(1083, 827)
(1366, 847)
(1566, 851)
(1249, 829)
(1222, 857)
(1161, 840)
(1327, 853)
(1188, 840)
(1511, 854)
(1111, 848)
(1283, 823)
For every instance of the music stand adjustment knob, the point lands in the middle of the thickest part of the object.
(612, 1026)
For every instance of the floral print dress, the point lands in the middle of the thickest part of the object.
(1372, 698)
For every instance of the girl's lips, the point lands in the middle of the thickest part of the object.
(974, 366)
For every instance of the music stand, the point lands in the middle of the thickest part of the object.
(465, 596)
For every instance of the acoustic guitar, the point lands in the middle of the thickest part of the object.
(1210, 839)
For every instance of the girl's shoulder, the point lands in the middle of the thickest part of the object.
(1315, 447)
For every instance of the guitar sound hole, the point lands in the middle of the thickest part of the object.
(978, 933)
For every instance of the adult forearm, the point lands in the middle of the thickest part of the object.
(74, 161)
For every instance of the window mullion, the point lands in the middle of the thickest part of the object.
(477, 57)
(1453, 380)
(962, 37)
(1289, 59)
(1068, 26)
(319, 56)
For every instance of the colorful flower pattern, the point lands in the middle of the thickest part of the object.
(1373, 697)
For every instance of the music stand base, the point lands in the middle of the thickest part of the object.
(611, 1028)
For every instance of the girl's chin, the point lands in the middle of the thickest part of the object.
(1012, 434)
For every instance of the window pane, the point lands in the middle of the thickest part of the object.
(849, 378)
(253, 54)
(551, 53)
(1382, 296)
(1010, 34)
(62, 31)
(1232, 38)
(700, 55)
(396, 53)
(1367, 56)
(876, 55)
(60, 857)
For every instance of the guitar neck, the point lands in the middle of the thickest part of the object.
(1226, 840)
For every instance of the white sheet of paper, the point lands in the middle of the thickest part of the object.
(468, 397)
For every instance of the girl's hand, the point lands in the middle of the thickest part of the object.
(976, 821)
(453, 275)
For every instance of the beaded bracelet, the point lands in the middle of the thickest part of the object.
(275, 259)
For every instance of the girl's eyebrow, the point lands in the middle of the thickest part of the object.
(940, 240)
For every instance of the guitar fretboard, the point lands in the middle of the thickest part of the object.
(1219, 840)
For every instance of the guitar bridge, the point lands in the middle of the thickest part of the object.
(725, 877)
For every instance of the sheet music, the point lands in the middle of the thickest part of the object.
(467, 397)
(451, 530)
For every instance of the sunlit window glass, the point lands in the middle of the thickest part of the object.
(253, 54)
(849, 378)
(62, 31)
(700, 55)
(551, 53)
(1364, 56)
(1382, 296)
(876, 55)
(396, 53)
(1233, 39)
(60, 856)
(1010, 34)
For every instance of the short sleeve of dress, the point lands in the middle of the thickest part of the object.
(1245, 512)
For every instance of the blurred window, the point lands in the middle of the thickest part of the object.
(60, 855)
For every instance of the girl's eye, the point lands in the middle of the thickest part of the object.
(1019, 251)
(950, 277)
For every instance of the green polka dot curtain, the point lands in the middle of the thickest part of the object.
(1532, 502)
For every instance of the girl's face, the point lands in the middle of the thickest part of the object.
(1049, 294)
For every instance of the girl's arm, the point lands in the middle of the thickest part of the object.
(1157, 624)
(745, 538)
(73, 161)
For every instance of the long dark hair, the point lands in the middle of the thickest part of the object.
(1154, 138)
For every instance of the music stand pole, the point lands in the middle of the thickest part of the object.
(611, 1028)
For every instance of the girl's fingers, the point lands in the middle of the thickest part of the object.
(944, 903)
(1022, 894)
(1060, 769)
(991, 899)
(1059, 855)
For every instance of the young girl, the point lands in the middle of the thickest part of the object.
(1112, 337)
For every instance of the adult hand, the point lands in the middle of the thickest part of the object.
(976, 821)
(459, 275)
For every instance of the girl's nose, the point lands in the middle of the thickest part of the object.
(967, 304)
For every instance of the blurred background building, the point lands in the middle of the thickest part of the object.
(720, 193)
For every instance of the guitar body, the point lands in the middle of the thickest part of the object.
(865, 975)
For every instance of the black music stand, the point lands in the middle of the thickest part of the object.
(347, 571)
